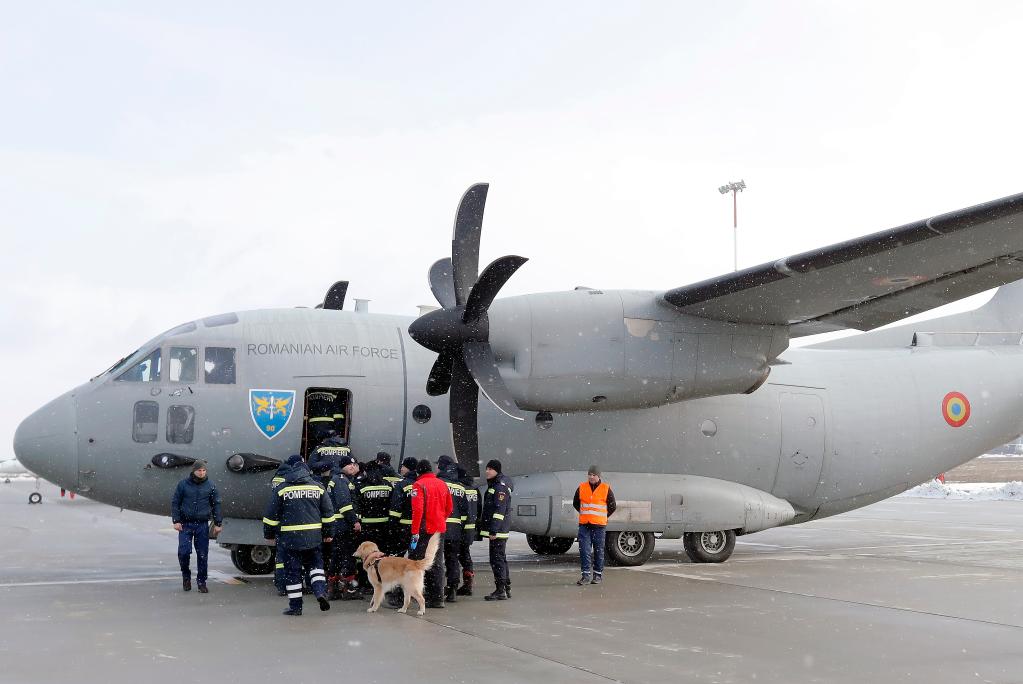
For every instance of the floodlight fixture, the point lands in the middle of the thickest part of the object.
(734, 187)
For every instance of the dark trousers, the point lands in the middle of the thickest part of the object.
(452, 551)
(296, 563)
(433, 587)
(465, 558)
(591, 548)
(342, 563)
(498, 561)
(401, 535)
(197, 533)
(280, 554)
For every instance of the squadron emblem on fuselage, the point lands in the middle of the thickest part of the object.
(271, 410)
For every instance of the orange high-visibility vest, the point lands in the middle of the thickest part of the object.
(593, 504)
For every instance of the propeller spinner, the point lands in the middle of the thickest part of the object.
(460, 331)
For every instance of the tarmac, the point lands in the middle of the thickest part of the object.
(906, 590)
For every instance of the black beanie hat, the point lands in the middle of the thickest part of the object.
(345, 460)
(411, 463)
(444, 462)
(294, 459)
(495, 464)
(423, 467)
(383, 457)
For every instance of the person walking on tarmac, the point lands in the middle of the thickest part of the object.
(300, 517)
(472, 511)
(431, 508)
(494, 525)
(347, 529)
(596, 503)
(447, 471)
(195, 500)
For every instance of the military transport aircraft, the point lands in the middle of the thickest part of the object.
(705, 423)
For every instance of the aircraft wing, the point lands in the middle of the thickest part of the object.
(873, 280)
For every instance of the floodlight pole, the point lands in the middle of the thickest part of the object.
(735, 188)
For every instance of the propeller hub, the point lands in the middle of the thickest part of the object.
(443, 330)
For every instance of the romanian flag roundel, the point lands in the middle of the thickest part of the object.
(955, 408)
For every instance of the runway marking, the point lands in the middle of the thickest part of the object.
(213, 575)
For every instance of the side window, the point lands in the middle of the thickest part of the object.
(219, 365)
(145, 421)
(180, 424)
(183, 364)
(146, 370)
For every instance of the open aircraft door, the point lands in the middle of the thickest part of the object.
(802, 446)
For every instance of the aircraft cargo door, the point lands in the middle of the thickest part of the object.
(802, 447)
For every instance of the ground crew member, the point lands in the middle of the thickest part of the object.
(494, 525)
(300, 517)
(473, 503)
(347, 530)
(324, 418)
(431, 508)
(447, 471)
(384, 461)
(195, 501)
(279, 551)
(401, 507)
(596, 503)
(324, 462)
(401, 520)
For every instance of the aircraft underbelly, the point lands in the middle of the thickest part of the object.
(803, 433)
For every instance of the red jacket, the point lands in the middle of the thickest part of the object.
(438, 505)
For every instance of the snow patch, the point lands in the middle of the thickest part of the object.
(968, 491)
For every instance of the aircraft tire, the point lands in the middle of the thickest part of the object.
(709, 547)
(629, 549)
(253, 560)
(35, 497)
(549, 546)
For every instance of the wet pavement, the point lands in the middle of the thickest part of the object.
(906, 590)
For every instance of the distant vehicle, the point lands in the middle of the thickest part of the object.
(12, 467)
(707, 425)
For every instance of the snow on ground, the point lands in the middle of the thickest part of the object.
(968, 491)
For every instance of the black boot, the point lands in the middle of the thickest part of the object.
(186, 583)
(324, 603)
(292, 611)
(466, 588)
(507, 588)
(497, 595)
(449, 594)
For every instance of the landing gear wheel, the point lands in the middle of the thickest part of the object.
(629, 548)
(35, 497)
(549, 546)
(709, 547)
(253, 560)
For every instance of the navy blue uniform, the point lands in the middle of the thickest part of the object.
(495, 521)
(472, 513)
(346, 514)
(299, 516)
(193, 504)
(401, 514)
(455, 532)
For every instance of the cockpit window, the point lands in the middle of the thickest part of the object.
(219, 365)
(183, 364)
(146, 370)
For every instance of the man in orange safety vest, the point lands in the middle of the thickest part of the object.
(596, 503)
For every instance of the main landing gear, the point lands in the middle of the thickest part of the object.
(709, 547)
(253, 560)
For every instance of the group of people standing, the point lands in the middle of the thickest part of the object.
(319, 512)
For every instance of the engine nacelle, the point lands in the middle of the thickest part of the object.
(589, 350)
(669, 504)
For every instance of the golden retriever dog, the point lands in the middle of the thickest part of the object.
(387, 572)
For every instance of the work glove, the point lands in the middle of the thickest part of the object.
(414, 542)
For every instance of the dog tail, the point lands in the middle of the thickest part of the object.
(431, 553)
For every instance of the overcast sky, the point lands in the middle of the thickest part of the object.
(167, 161)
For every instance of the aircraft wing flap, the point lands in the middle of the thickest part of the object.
(873, 280)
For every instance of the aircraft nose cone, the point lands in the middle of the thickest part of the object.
(46, 442)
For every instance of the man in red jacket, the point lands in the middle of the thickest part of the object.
(431, 508)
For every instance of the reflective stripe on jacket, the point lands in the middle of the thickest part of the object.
(593, 504)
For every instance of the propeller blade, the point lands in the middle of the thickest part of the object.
(465, 240)
(482, 364)
(463, 406)
(489, 284)
(335, 298)
(440, 376)
(442, 283)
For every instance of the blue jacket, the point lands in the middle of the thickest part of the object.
(496, 508)
(196, 502)
(460, 509)
(299, 514)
